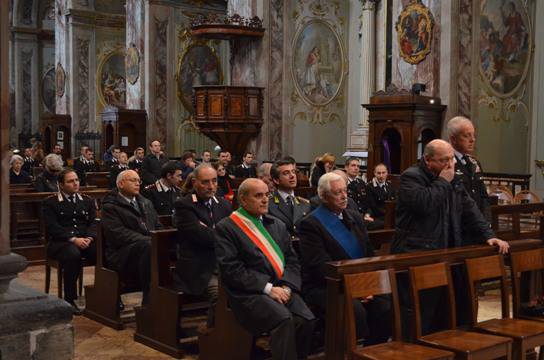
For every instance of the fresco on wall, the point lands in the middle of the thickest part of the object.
(199, 65)
(48, 90)
(414, 29)
(505, 43)
(112, 85)
(317, 63)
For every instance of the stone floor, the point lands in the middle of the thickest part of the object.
(95, 341)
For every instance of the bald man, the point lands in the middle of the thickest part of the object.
(462, 138)
(433, 210)
(127, 219)
(261, 274)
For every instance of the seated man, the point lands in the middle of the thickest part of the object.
(316, 201)
(135, 162)
(70, 218)
(187, 164)
(152, 164)
(57, 150)
(356, 185)
(378, 191)
(261, 274)
(246, 169)
(115, 151)
(333, 232)
(29, 161)
(118, 167)
(127, 219)
(165, 191)
(84, 164)
(284, 204)
(195, 217)
(263, 173)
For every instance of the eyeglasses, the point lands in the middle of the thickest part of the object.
(134, 180)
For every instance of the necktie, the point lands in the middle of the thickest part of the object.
(72, 198)
(210, 212)
(135, 205)
(290, 203)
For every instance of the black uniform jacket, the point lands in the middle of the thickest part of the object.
(376, 197)
(317, 247)
(151, 168)
(432, 213)
(163, 198)
(196, 238)
(65, 220)
(278, 208)
(83, 166)
(123, 226)
(245, 271)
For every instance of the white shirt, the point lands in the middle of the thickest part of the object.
(284, 195)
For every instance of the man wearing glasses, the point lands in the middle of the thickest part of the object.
(165, 191)
(71, 229)
(127, 219)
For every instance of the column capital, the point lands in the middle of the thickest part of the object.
(369, 5)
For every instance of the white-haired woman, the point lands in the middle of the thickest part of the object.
(47, 181)
(16, 173)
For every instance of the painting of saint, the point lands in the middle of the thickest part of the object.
(318, 63)
(505, 43)
(199, 65)
(112, 81)
(414, 28)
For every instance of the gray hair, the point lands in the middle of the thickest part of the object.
(199, 168)
(264, 169)
(246, 185)
(453, 128)
(324, 184)
(53, 162)
(121, 176)
(15, 158)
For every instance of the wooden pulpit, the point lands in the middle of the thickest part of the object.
(124, 128)
(57, 129)
(400, 125)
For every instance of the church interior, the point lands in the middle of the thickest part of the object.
(428, 112)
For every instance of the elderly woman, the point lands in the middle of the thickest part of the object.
(16, 174)
(47, 181)
(322, 165)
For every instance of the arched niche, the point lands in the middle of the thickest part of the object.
(391, 141)
(426, 136)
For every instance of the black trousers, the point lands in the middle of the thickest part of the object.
(292, 339)
(138, 267)
(70, 257)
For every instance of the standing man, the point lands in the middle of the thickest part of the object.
(284, 204)
(462, 138)
(70, 219)
(196, 216)
(378, 191)
(152, 164)
(137, 159)
(127, 219)
(246, 169)
(261, 274)
(433, 210)
(165, 191)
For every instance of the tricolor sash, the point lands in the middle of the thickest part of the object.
(339, 232)
(257, 233)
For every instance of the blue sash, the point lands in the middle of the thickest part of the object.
(339, 232)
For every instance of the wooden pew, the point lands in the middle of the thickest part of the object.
(334, 341)
(522, 227)
(102, 298)
(26, 222)
(100, 179)
(158, 323)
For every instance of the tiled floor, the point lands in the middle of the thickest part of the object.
(95, 341)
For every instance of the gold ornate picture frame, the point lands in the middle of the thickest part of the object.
(415, 32)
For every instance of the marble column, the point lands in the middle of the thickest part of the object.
(34, 325)
(63, 49)
(358, 139)
(135, 35)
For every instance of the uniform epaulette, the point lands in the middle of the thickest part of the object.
(304, 200)
(149, 187)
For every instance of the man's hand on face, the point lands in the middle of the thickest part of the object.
(448, 173)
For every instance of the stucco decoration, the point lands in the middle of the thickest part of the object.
(110, 79)
(60, 80)
(132, 64)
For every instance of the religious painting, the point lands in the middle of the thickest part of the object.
(60, 80)
(199, 65)
(505, 45)
(414, 32)
(111, 80)
(132, 64)
(318, 63)
(48, 90)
